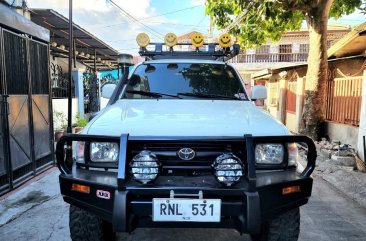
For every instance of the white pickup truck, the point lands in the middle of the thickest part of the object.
(181, 144)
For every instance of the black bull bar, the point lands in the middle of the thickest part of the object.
(127, 143)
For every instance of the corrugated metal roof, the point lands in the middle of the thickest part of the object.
(18, 23)
(352, 43)
(85, 41)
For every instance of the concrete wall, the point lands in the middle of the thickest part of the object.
(291, 123)
(346, 134)
(60, 105)
(362, 129)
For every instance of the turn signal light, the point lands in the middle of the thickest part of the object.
(289, 190)
(80, 188)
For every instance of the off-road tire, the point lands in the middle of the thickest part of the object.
(85, 226)
(285, 227)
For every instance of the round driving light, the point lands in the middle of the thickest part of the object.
(197, 40)
(225, 40)
(171, 39)
(228, 169)
(143, 40)
(144, 167)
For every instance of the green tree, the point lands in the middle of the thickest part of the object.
(255, 22)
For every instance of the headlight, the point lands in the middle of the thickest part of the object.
(104, 152)
(228, 169)
(145, 167)
(269, 154)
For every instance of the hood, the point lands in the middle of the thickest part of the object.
(170, 117)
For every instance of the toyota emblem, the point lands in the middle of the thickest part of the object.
(186, 154)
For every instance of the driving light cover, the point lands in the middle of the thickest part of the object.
(104, 152)
(269, 154)
(143, 40)
(144, 167)
(228, 169)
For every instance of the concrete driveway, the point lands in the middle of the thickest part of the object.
(37, 212)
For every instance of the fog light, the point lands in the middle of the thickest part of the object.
(228, 169)
(144, 167)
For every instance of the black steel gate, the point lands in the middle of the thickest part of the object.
(91, 91)
(27, 148)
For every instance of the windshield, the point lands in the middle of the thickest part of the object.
(184, 80)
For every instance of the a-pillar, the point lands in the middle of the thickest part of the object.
(77, 75)
(362, 128)
(299, 102)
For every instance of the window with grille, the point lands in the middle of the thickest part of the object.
(304, 48)
(285, 53)
(264, 49)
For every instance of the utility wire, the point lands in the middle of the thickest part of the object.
(128, 15)
(159, 15)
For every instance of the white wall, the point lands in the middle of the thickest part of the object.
(362, 128)
(60, 105)
(291, 122)
(103, 102)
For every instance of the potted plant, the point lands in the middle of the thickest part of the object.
(60, 124)
(80, 123)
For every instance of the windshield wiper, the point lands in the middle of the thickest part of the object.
(151, 94)
(209, 96)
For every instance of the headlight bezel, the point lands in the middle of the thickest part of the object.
(272, 165)
(106, 145)
(85, 157)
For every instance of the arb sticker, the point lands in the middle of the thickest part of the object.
(103, 194)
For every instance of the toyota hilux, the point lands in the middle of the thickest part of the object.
(182, 144)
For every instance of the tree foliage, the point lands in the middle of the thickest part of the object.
(254, 22)
(269, 19)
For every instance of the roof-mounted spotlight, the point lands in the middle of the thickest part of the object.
(143, 40)
(170, 40)
(197, 40)
(225, 40)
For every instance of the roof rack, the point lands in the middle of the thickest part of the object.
(207, 52)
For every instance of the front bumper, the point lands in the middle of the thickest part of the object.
(241, 209)
(258, 197)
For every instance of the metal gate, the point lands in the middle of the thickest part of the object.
(91, 91)
(344, 100)
(27, 139)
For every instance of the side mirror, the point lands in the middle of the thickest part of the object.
(107, 90)
(259, 92)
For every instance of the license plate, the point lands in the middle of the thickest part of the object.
(186, 210)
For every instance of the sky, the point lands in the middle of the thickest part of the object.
(156, 18)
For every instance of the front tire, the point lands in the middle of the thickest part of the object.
(285, 227)
(85, 226)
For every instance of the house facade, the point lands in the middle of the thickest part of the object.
(293, 48)
(345, 97)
